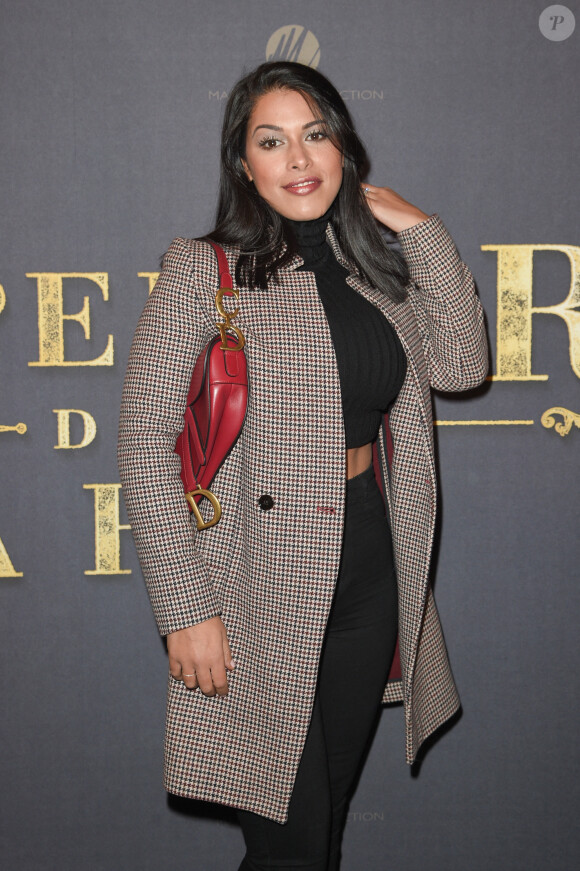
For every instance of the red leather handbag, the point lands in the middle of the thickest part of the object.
(216, 403)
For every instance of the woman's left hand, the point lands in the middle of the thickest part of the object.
(391, 209)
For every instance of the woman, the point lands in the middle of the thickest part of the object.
(282, 620)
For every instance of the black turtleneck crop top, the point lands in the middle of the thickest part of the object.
(371, 361)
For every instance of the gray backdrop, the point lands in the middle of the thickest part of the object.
(111, 117)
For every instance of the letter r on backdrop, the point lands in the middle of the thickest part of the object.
(515, 309)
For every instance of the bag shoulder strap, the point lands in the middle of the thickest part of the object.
(225, 279)
(226, 288)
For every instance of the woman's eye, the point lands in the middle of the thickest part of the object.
(316, 135)
(269, 142)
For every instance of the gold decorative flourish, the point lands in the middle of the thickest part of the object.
(564, 427)
(483, 422)
(20, 428)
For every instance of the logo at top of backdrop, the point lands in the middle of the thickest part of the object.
(294, 42)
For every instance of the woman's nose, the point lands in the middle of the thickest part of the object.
(298, 156)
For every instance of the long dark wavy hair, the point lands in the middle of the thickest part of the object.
(244, 218)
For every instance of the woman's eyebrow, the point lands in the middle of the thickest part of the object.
(280, 129)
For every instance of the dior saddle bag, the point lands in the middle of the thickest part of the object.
(216, 403)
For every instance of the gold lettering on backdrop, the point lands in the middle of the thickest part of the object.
(515, 309)
(151, 278)
(6, 567)
(63, 423)
(563, 427)
(20, 428)
(2, 298)
(51, 318)
(107, 529)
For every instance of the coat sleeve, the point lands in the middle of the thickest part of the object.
(172, 331)
(446, 306)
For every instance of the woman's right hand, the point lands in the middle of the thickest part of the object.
(199, 656)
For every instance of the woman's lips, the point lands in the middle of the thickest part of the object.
(303, 186)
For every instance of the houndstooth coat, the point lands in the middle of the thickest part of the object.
(271, 574)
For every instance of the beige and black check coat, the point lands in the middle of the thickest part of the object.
(271, 574)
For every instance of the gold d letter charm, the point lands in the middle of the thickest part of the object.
(217, 509)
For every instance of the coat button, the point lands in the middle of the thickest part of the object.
(266, 502)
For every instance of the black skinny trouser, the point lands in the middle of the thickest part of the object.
(358, 648)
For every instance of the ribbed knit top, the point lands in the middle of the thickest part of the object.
(370, 358)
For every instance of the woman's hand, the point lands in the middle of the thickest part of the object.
(391, 209)
(199, 656)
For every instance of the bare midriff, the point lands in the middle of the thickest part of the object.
(358, 459)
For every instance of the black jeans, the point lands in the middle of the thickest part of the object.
(359, 644)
